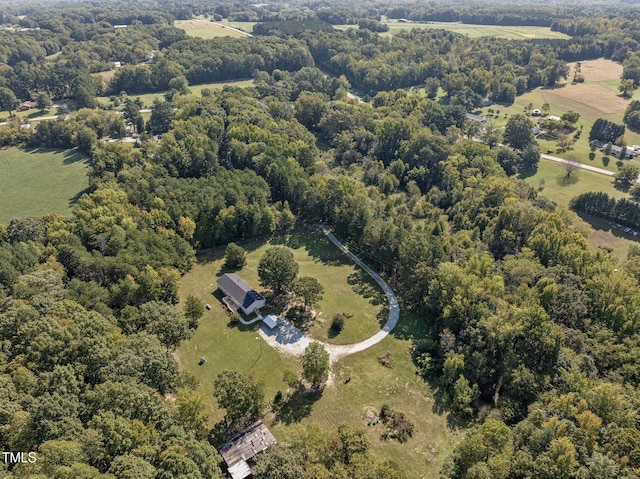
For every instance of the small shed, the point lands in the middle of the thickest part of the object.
(271, 320)
(243, 447)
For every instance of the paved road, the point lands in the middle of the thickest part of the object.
(290, 340)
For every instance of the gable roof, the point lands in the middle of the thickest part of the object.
(244, 446)
(238, 289)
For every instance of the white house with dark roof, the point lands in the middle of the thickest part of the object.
(240, 293)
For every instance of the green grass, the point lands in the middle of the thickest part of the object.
(244, 26)
(29, 114)
(36, 182)
(372, 385)
(473, 31)
(207, 29)
(148, 98)
(550, 179)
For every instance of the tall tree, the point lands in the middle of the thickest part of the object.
(277, 268)
(518, 133)
(239, 395)
(309, 289)
(315, 363)
(235, 257)
(8, 100)
(43, 100)
(161, 116)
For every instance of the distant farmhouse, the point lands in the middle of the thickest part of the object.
(27, 105)
(239, 293)
(240, 451)
(472, 117)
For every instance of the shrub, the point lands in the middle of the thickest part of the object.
(337, 324)
(398, 426)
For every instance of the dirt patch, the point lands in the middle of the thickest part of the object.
(589, 99)
(598, 70)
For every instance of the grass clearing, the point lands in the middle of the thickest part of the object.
(148, 98)
(472, 30)
(207, 29)
(36, 182)
(358, 402)
(244, 26)
(32, 113)
(373, 385)
(550, 177)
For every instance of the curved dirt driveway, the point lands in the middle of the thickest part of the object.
(290, 340)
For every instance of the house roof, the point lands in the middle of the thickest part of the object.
(471, 116)
(238, 289)
(244, 446)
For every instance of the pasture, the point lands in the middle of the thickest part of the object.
(227, 346)
(207, 29)
(471, 30)
(36, 182)
(550, 181)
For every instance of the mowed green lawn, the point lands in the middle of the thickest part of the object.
(227, 346)
(35, 182)
(471, 30)
(148, 98)
(372, 385)
(550, 179)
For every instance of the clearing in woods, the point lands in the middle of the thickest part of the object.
(358, 402)
(36, 182)
(207, 29)
(472, 30)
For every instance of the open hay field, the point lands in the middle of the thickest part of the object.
(206, 29)
(36, 182)
(591, 100)
(470, 30)
(598, 70)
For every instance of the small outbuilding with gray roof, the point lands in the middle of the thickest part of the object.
(240, 293)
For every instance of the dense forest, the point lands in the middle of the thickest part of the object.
(528, 334)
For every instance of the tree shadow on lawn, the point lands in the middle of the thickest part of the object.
(74, 199)
(315, 244)
(298, 406)
(410, 326)
(366, 287)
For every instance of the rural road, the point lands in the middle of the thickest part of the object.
(290, 340)
(579, 165)
(222, 25)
